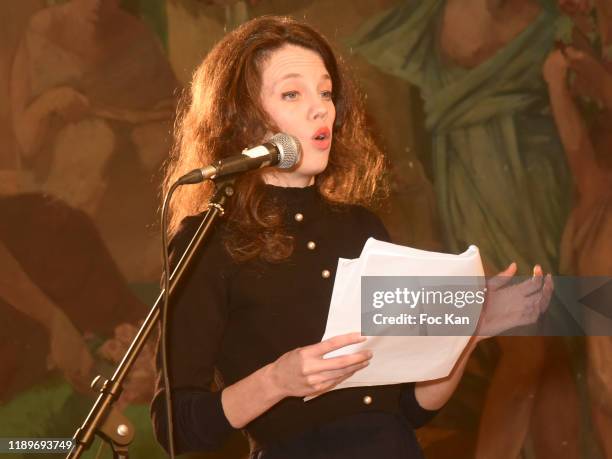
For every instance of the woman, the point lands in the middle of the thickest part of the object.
(257, 298)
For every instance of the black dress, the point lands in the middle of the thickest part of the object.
(228, 320)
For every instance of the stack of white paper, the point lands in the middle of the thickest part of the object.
(397, 359)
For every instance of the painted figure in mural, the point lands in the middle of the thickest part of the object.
(92, 93)
(587, 240)
(501, 178)
(14, 17)
(70, 316)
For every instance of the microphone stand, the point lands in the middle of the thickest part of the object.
(104, 419)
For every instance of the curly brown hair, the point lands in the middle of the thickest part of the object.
(221, 114)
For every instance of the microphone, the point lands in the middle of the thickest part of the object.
(282, 150)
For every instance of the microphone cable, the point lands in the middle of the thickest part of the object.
(164, 318)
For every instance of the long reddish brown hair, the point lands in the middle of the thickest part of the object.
(222, 114)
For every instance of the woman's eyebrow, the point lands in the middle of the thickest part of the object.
(290, 75)
(287, 76)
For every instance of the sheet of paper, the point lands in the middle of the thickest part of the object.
(397, 359)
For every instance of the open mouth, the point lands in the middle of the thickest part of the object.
(322, 134)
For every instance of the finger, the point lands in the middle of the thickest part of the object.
(327, 376)
(537, 279)
(537, 271)
(325, 386)
(337, 381)
(547, 291)
(530, 286)
(334, 343)
(340, 362)
(502, 278)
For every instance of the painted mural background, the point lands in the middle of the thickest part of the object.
(495, 117)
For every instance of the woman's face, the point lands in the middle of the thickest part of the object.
(296, 93)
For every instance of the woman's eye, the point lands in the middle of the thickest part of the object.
(326, 95)
(290, 95)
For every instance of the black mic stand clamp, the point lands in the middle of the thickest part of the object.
(104, 419)
(114, 428)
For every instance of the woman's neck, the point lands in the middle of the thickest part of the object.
(287, 180)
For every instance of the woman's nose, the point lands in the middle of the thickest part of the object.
(318, 111)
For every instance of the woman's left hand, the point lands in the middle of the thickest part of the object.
(509, 306)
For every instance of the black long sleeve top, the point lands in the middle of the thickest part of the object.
(229, 319)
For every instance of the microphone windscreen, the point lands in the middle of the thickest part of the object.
(289, 149)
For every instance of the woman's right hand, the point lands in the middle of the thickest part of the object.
(304, 371)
